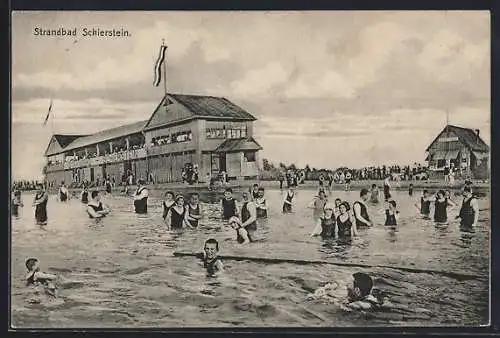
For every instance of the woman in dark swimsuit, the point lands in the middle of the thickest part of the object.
(326, 223)
(287, 204)
(176, 214)
(345, 221)
(40, 203)
(441, 203)
(168, 203)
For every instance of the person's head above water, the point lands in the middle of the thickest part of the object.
(322, 193)
(374, 186)
(361, 287)
(244, 196)
(211, 248)
(194, 198)
(467, 192)
(392, 204)
(228, 193)
(426, 193)
(261, 192)
(344, 207)
(179, 200)
(169, 195)
(440, 194)
(363, 194)
(337, 202)
(32, 264)
(329, 207)
(255, 187)
(95, 195)
(234, 222)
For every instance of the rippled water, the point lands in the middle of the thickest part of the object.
(123, 274)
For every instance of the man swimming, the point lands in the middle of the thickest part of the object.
(211, 261)
(36, 277)
(95, 208)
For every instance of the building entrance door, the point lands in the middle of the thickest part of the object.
(91, 174)
(222, 162)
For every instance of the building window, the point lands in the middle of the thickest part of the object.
(231, 133)
(250, 156)
(441, 163)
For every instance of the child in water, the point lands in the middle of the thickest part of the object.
(228, 205)
(359, 294)
(167, 203)
(374, 194)
(261, 204)
(16, 203)
(36, 277)
(211, 261)
(391, 213)
(287, 204)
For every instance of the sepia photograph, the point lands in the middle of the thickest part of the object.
(232, 169)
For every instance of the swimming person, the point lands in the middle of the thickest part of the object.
(255, 191)
(167, 203)
(84, 197)
(193, 211)
(228, 205)
(95, 208)
(63, 192)
(425, 204)
(387, 188)
(359, 295)
(35, 277)
(40, 204)
(410, 190)
(440, 205)
(361, 211)
(469, 211)
(261, 204)
(176, 214)
(141, 198)
(287, 204)
(374, 194)
(325, 226)
(211, 261)
(391, 213)
(16, 203)
(346, 228)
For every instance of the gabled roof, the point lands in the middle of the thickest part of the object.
(58, 142)
(104, 135)
(183, 108)
(466, 136)
(238, 145)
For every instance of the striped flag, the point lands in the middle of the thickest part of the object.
(48, 113)
(159, 62)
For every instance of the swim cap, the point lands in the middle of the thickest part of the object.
(329, 206)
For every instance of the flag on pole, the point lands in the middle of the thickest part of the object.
(48, 113)
(159, 63)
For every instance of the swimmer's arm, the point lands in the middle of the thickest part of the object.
(220, 266)
(44, 275)
(105, 209)
(475, 207)
(357, 214)
(354, 230)
(168, 219)
(317, 229)
(450, 203)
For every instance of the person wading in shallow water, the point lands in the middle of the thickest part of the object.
(176, 214)
(193, 211)
(85, 195)
(95, 208)
(361, 211)
(425, 204)
(441, 203)
(141, 198)
(40, 204)
(287, 204)
(16, 203)
(228, 205)
(469, 211)
(63, 193)
(167, 203)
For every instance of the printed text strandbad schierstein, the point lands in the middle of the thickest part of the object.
(81, 32)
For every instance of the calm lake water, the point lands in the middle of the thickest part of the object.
(123, 274)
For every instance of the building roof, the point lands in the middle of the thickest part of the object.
(58, 142)
(238, 145)
(104, 135)
(467, 136)
(183, 108)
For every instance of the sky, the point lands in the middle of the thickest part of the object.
(328, 88)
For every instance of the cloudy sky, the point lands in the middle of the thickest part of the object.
(328, 88)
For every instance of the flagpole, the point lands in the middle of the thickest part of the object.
(165, 71)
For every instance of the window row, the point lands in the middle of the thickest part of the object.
(222, 133)
(183, 136)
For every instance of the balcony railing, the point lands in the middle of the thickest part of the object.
(105, 159)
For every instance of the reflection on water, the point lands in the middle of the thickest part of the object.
(121, 272)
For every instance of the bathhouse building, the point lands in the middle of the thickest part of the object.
(459, 148)
(209, 133)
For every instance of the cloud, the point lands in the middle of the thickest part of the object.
(260, 81)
